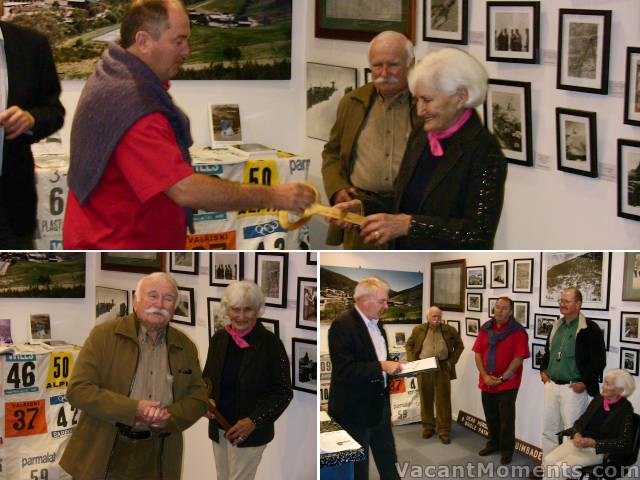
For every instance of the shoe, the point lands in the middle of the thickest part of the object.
(505, 458)
(427, 432)
(445, 439)
(488, 450)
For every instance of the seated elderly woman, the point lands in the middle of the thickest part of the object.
(249, 372)
(606, 427)
(449, 190)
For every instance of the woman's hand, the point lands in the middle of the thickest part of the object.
(381, 228)
(353, 206)
(240, 431)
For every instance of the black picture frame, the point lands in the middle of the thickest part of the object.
(522, 281)
(507, 114)
(580, 30)
(133, 262)
(542, 325)
(632, 87)
(366, 75)
(445, 22)
(491, 303)
(306, 315)
(304, 367)
(537, 351)
(499, 279)
(628, 179)
(631, 277)
(218, 263)
(478, 301)
(455, 324)
(214, 322)
(605, 326)
(274, 295)
(440, 295)
(630, 327)
(189, 268)
(577, 142)
(111, 301)
(522, 319)
(312, 258)
(272, 325)
(629, 360)
(514, 47)
(476, 277)
(185, 314)
(472, 326)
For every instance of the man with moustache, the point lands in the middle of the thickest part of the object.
(138, 383)
(368, 140)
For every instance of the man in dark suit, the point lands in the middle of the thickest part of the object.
(32, 111)
(358, 397)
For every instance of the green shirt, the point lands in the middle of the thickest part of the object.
(563, 346)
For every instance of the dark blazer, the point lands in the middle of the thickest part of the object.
(462, 200)
(264, 383)
(357, 393)
(33, 86)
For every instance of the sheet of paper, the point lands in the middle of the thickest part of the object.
(419, 365)
(324, 416)
(338, 441)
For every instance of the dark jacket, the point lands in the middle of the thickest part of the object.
(462, 200)
(590, 353)
(451, 338)
(264, 383)
(34, 87)
(357, 393)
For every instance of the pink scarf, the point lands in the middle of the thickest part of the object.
(435, 137)
(606, 403)
(237, 336)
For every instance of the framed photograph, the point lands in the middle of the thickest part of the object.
(272, 325)
(136, 262)
(605, 326)
(500, 274)
(312, 258)
(576, 142)
(184, 262)
(186, 311)
(39, 327)
(225, 268)
(111, 303)
(366, 75)
(542, 325)
(446, 21)
(326, 85)
(629, 327)
(632, 87)
(631, 277)
(629, 179)
(507, 113)
(588, 271)
(583, 50)
(491, 303)
(447, 285)
(476, 277)
(472, 326)
(307, 302)
(304, 375)
(537, 353)
(5, 331)
(513, 32)
(224, 124)
(455, 324)
(271, 271)
(354, 21)
(216, 320)
(522, 275)
(521, 312)
(629, 360)
(474, 302)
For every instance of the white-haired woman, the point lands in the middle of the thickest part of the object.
(249, 371)
(606, 427)
(449, 191)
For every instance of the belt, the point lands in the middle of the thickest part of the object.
(563, 382)
(128, 432)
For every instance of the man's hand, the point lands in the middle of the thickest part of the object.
(16, 121)
(390, 367)
(544, 377)
(149, 412)
(295, 197)
(353, 206)
(240, 431)
(344, 195)
(578, 387)
(490, 380)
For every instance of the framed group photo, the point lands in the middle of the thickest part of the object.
(629, 179)
(629, 327)
(576, 142)
(513, 32)
(446, 21)
(306, 303)
(271, 270)
(522, 275)
(542, 325)
(447, 285)
(225, 267)
(304, 375)
(476, 277)
(631, 277)
(632, 87)
(500, 274)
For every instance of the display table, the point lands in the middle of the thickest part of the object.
(338, 465)
(243, 230)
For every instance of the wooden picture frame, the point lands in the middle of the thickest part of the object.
(631, 277)
(513, 32)
(577, 142)
(632, 87)
(629, 179)
(447, 285)
(185, 313)
(133, 262)
(522, 275)
(630, 327)
(542, 325)
(304, 375)
(306, 303)
(499, 272)
(476, 277)
(474, 301)
(271, 275)
(445, 21)
(184, 262)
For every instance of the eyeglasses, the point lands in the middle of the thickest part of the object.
(565, 302)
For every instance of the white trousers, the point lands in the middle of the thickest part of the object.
(234, 463)
(562, 407)
(557, 463)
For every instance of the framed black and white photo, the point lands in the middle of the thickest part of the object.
(366, 75)
(521, 312)
(513, 32)
(111, 303)
(632, 87)
(224, 124)
(542, 325)
(326, 85)
(583, 50)
(491, 303)
(472, 326)
(312, 258)
(446, 21)
(629, 179)
(605, 326)
(185, 312)
(455, 324)
(476, 277)
(507, 113)
(134, 262)
(307, 301)
(184, 262)
(631, 277)
(474, 302)
(629, 360)
(272, 325)
(216, 319)
(225, 267)
(304, 375)
(522, 275)
(537, 354)
(271, 270)
(576, 142)
(629, 327)
(588, 271)
(447, 285)
(499, 274)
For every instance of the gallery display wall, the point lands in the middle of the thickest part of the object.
(464, 391)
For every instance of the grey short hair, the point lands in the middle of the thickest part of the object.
(242, 294)
(168, 277)
(508, 300)
(621, 379)
(369, 286)
(392, 36)
(448, 70)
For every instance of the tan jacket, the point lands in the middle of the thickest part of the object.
(100, 383)
(451, 338)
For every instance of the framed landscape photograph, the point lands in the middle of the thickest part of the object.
(542, 325)
(361, 22)
(304, 375)
(474, 302)
(184, 262)
(513, 32)
(455, 324)
(537, 354)
(521, 312)
(272, 325)
(605, 326)
(446, 21)
(500, 274)
(629, 327)
(271, 270)
(137, 262)
(576, 142)
(631, 277)
(522, 275)
(224, 124)
(447, 285)
(472, 326)
(476, 277)
(111, 303)
(583, 50)
(507, 113)
(225, 268)
(185, 312)
(629, 179)
(306, 303)
(629, 360)
(632, 87)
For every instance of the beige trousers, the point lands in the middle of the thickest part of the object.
(234, 463)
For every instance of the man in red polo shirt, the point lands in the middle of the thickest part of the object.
(500, 348)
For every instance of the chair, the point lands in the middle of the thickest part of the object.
(607, 464)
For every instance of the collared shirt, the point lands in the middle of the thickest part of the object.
(382, 143)
(4, 91)
(376, 338)
(564, 341)
(434, 344)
